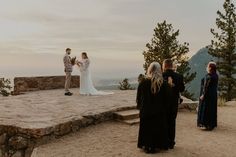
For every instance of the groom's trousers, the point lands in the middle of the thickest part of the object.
(67, 81)
(172, 122)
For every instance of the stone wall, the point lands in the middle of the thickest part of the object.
(20, 142)
(26, 84)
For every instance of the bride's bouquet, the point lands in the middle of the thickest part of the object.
(73, 60)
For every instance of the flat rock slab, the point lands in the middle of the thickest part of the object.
(33, 119)
(127, 114)
(44, 109)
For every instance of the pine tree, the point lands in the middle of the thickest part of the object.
(164, 44)
(125, 85)
(223, 46)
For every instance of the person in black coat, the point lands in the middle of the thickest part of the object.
(177, 84)
(207, 111)
(152, 101)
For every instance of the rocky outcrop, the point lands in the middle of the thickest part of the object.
(230, 103)
(26, 84)
(33, 119)
(188, 104)
(20, 142)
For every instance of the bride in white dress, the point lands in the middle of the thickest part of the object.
(86, 84)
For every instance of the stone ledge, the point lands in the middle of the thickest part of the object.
(189, 106)
(21, 141)
(27, 84)
(37, 118)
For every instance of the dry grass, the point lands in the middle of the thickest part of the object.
(221, 101)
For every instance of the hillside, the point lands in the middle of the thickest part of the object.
(198, 64)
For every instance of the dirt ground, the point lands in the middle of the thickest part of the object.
(114, 139)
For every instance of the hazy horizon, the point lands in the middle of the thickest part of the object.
(52, 64)
(34, 34)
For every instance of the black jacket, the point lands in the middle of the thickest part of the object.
(151, 104)
(178, 83)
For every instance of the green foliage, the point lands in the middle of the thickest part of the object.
(189, 95)
(5, 87)
(141, 77)
(223, 46)
(125, 85)
(163, 45)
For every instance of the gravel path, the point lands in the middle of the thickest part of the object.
(113, 139)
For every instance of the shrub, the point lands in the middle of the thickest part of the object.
(125, 85)
(221, 101)
(141, 77)
(5, 87)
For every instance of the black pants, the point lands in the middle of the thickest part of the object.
(172, 124)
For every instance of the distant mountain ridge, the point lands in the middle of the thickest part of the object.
(198, 63)
(113, 84)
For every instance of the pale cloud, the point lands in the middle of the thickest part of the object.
(99, 24)
(106, 29)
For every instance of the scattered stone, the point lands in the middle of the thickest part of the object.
(18, 154)
(18, 142)
(188, 104)
(3, 138)
(130, 116)
(230, 103)
(63, 129)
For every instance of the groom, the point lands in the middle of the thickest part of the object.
(68, 70)
(177, 84)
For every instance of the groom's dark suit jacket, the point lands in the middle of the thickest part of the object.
(178, 83)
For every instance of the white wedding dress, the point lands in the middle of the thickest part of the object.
(86, 83)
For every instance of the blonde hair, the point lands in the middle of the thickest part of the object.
(175, 65)
(154, 72)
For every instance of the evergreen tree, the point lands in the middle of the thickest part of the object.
(5, 87)
(223, 46)
(141, 77)
(164, 44)
(125, 85)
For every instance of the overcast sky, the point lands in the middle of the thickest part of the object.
(106, 29)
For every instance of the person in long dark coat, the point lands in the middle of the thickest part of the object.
(152, 101)
(177, 84)
(207, 111)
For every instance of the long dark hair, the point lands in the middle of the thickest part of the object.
(212, 67)
(85, 54)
